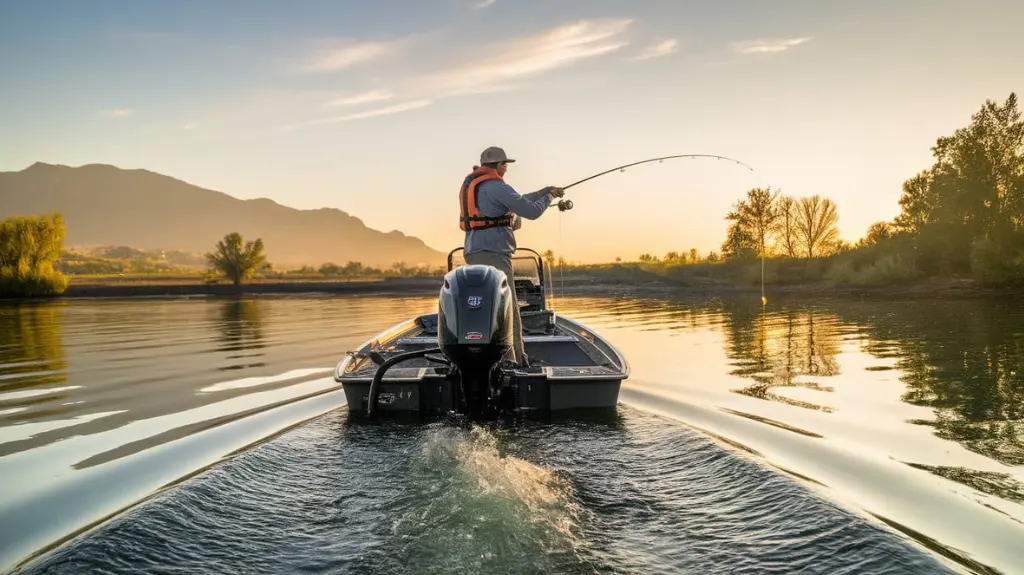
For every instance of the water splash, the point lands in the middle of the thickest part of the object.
(469, 506)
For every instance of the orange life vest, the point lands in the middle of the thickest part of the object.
(470, 217)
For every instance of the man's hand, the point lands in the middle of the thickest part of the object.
(556, 192)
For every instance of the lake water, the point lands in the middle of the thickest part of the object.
(206, 435)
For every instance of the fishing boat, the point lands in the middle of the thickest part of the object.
(455, 360)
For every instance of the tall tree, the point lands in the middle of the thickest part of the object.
(919, 204)
(817, 226)
(739, 243)
(974, 191)
(236, 261)
(877, 232)
(762, 215)
(785, 226)
(754, 219)
(29, 249)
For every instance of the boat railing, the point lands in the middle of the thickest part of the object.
(529, 277)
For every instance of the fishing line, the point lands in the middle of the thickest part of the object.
(561, 260)
(564, 205)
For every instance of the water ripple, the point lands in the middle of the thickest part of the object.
(630, 494)
(909, 413)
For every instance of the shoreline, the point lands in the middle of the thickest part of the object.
(115, 289)
(573, 285)
(951, 289)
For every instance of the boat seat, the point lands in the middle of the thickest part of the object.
(428, 323)
(538, 322)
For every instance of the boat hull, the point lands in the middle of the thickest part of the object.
(571, 369)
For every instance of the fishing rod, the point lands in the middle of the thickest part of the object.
(564, 205)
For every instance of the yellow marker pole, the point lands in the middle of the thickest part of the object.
(764, 301)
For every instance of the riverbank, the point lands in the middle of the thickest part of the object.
(173, 288)
(631, 279)
(615, 281)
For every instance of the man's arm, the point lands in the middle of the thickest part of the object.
(530, 208)
(537, 195)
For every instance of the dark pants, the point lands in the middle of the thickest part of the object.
(504, 263)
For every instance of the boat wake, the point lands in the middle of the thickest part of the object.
(630, 494)
(466, 506)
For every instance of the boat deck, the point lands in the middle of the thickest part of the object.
(424, 372)
(559, 349)
(570, 366)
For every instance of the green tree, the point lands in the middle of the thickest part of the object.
(753, 220)
(762, 213)
(236, 261)
(877, 232)
(30, 248)
(739, 243)
(967, 210)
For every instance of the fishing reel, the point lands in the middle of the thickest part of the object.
(564, 205)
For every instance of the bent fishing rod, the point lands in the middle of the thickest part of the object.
(564, 205)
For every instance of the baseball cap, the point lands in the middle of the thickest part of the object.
(494, 154)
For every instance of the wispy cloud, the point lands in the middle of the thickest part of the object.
(768, 46)
(386, 111)
(331, 55)
(118, 112)
(190, 126)
(659, 49)
(361, 98)
(483, 3)
(512, 61)
(509, 65)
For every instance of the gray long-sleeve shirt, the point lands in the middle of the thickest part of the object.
(495, 198)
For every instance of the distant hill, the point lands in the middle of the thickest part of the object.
(106, 205)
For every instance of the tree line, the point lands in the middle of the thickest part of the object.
(962, 217)
(34, 264)
(965, 214)
(770, 223)
(238, 262)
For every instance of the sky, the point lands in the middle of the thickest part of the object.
(380, 108)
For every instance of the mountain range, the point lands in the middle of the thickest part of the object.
(105, 205)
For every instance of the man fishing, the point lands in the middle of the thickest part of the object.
(490, 212)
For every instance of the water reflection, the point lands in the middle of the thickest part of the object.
(33, 368)
(864, 373)
(963, 360)
(240, 323)
(90, 382)
(779, 350)
(966, 362)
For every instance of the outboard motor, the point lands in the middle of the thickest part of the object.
(474, 331)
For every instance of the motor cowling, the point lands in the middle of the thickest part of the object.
(474, 331)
